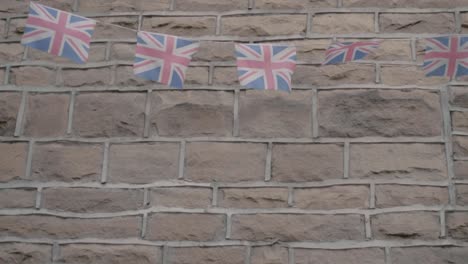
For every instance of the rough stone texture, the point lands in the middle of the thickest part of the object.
(122, 51)
(460, 121)
(194, 113)
(408, 75)
(43, 226)
(82, 200)
(207, 5)
(181, 197)
(264, 25)
(67, 162)
(302, 163)
(20, 253)
(342, 256)
(208, 255)
(269, 255)
(208, 162)
(124, 29)
(109, 114)
(330, 198)
(331, 75)
(392, 50)
(389, 113)
(197, 76)
(125, 77)
(11, 52)
(297, 4)
(457, 225)
(403, 195)
(191, 227)
(275, 114)
(143, 163)
(460, 146)
(398, 161)
(21, 7)
(253, 198)
(343, 23)
(459, 96)
(429, 255)
(17, 198)
(417, 225)
(9, 106)
(86, 77)
(46, 115)
(461, 169)
(97, 52)
(32, 76)
(109, 254)
(90, 6)
(319, 228)
(12, 166)
(225, 76)
(16, 28)
(215, 51)
(417, 23)
(405, 3)
(181, 26)
(462, 194)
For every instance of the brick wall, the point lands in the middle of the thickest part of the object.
(362, 163)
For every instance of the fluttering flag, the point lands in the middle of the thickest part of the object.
(265, 66)
(341, 52)
(446, 56)
(58, 32)
(163, 58)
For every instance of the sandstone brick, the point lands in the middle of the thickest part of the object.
(460, 121)
(269, 25)
(404, 195)
(275, 114)
(311, 162)
(389, 113)
(143, 163)
(417, 23)
(392, 50)
(192, 227)
(192, 113)
(11, 52)
(225, 76)
(462, 194)
(408, 75)
(298, 4)
(398, 161)
(109, 254)
(43, 226)
(17, 198)
(86, 77)
(461, 169)
(320, 228)
(457, 225)
(2, 76)
(125, 28)
(46, 115)
(207, 5)
(32, 76)
(464, 22)
(207, 162)
(269, 255)
(109, 114)
(331, 75)
(181, 26)
(311, 50)
(405, 3)
(429, 255)
(122, 51)
(342, 256)
(15, 7)
(124, 76)
(197, 76)
(334, 197)
(215, 51)
(460, 146)
(12, 166)
(407, 225)
(253, 197)
(21, 253)
(89, 200)
(104, 6)
(2, 28)
(9, 106)
(343, 23)
(67, 162)
(459, 96)
(97, 52)
(16, 28)
(183, 197)
(207, 255)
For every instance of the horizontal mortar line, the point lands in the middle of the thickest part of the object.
(459, 133)
(460, 181)
(254, 184)
(439, 140)
(457, 109)
(376, 243)
(457, 158)
(234, 211)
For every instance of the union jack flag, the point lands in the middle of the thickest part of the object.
(446, 56)
(58, 32)
(265, 66)
(341, 52)
(163, 58)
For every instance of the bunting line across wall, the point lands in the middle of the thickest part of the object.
(165, 58)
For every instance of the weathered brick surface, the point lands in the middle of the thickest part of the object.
(9, 106)
(253, 198)
(11, 52)
(432, 255)
(125, 29)
(460, 121)
(405, 3)
(460, 169)
(300, 227)
(298, 4)
(86, 77)
(443, 23)
(25, 253)
(215, 51)
(417, 225)
(209, 255)
(460, 146)
(32, 76)
(207, 5)
(335, 197)
(90, 6)
(457, 225)
(403, 195)
(192, 227)
(17, 198)
(346, 256)
(181, 26)
(396, 161)
(343, 23)
(12, 165)
(264, 25)
(408, 75)
(225, 76)
(462, 194)
(459, 96)
(97, 52)
(124, 76)
(182, 197)
(332, 75)
(21, 7)
(270, 255)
